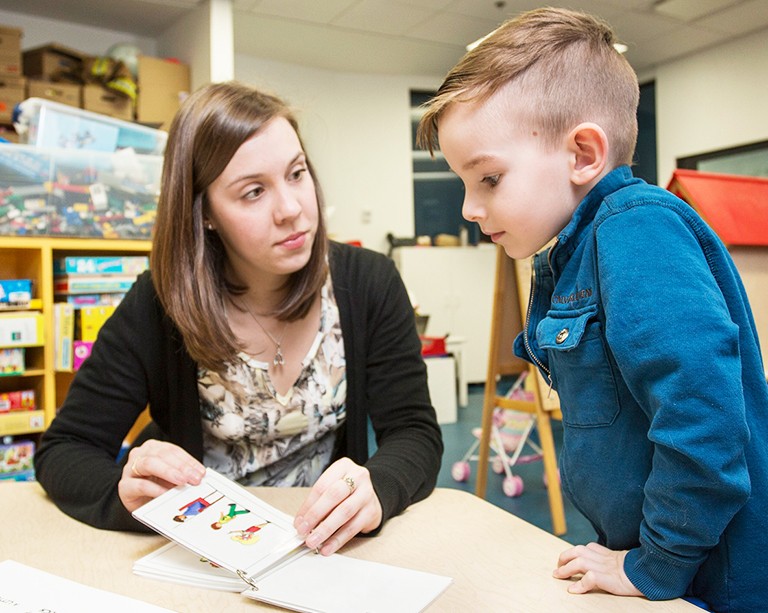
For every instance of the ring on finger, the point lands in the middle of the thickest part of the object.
(135, 469)
(350, 483)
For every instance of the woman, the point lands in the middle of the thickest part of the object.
(261, 347)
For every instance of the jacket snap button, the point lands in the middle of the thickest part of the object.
(561, 336)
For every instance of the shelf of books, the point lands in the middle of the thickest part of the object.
(55, 293)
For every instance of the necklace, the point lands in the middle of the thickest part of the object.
(278, 360)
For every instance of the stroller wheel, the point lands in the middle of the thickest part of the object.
(497, 464)
(512, 486)
(460, 471)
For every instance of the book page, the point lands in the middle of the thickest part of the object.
(23, 588)
(224, 523)
(339, 584)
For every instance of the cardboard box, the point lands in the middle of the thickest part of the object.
(82, 350)
(19, 400)
(10, 39)
(91, 320)
(63, 93)
(163, 85)
(11, 363)
(10, 51)
(12, 91)
(54, 62)
(97, 99)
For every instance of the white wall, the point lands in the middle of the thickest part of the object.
(38, 31)
(712, 100)
(356, 129)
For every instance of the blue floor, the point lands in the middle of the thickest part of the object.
(533, 504)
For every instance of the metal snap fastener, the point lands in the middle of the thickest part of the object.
(561, 336)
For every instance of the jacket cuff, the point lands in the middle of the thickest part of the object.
(656, 575)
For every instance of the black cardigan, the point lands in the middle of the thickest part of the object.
(139, 359)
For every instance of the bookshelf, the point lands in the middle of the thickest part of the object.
(32, 258)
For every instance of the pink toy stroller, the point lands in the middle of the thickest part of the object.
(510, 434)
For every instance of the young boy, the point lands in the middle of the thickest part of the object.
(638, 317)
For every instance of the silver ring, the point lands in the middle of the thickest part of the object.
(135, 470)
(350, 484)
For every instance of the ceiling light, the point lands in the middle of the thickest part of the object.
(620, 47)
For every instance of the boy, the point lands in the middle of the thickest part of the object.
(637, 318)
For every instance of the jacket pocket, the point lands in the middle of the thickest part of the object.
(580, 369)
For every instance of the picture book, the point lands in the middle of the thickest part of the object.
(223, 537)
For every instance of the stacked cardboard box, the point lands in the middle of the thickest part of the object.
(11, 80)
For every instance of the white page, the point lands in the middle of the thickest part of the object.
(23, 588)
(339, 584)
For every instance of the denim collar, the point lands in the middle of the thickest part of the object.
(581, 221)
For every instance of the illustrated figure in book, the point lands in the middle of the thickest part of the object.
(195, 507)
(263, 349)
(637, 316)
(249, 536)
(227, 517)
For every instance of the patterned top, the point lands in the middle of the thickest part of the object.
(256, 436)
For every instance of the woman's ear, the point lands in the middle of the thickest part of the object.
(589, 148)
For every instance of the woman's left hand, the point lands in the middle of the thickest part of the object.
(340, 505)
(600, 569)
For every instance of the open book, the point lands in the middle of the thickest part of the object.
(226, 538)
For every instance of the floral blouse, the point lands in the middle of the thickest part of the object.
(256, 436)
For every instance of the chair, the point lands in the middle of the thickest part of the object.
(511, 292)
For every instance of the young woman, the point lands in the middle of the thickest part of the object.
(261, 347)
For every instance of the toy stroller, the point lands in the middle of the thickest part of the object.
(510, 433)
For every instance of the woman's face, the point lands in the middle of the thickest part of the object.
(264, 206)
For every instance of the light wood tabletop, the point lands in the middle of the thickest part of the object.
(498, 562)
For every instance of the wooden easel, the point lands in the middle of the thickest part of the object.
(510, 303)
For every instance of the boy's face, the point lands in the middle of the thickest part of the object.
(518, 190)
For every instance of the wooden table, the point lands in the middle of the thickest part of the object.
(498, 561)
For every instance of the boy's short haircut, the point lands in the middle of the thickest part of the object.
(564, 69)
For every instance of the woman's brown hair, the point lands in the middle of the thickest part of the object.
(187, 261)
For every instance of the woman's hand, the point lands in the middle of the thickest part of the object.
(600, 567)
(340, 505)
(154, 468)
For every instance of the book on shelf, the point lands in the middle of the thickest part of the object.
(63, 335)
(223, 537)
(93, 265)
(85, 300)
(93, 284)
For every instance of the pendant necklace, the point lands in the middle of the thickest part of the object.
(278, 360)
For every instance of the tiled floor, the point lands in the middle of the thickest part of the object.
(533, 504)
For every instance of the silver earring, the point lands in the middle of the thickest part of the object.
(209, 226)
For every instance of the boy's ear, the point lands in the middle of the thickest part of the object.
(589, 148)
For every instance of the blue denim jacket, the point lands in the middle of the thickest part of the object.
(639, 320)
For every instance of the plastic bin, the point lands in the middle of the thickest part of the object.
(60, 192)
(44, 123)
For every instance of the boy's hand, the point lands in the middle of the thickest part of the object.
(154, 468)
(600, 567)
(339, 506)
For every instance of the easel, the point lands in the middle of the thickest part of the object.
(509, 307)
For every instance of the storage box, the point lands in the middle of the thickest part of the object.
(12, 91)
(100, 100)
(11, 363)
(91, 320)
(15, 291)
(63, 93)
(163, 85)
(58, 192)
(433, 345)
(19, 400)
(16, 460)
(107, 264)
(48, 124)
(82, 350)
(21, 329)
(54, 62)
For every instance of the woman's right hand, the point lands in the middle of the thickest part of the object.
(152, 469)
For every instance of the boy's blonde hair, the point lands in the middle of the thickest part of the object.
(559, 68)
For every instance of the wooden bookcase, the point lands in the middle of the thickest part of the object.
(32, 258)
